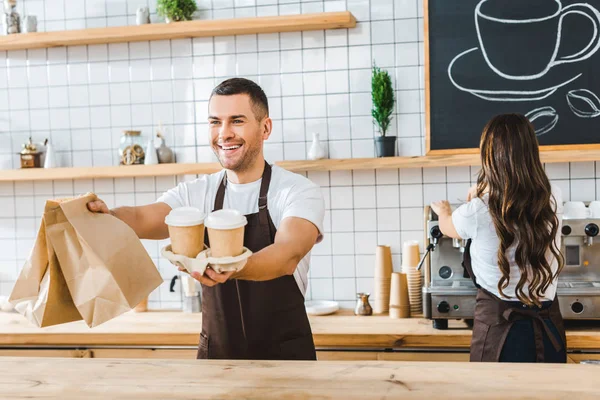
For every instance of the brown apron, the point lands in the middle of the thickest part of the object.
(494, 319)
(250, 319)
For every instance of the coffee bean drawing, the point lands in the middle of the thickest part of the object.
(544, 119)
(584, 103)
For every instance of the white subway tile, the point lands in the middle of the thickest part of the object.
(582, 190)
(388, 219)
(339, 128)
(294, 151)
(434, 175)
(340, 149)
(406, 30)
(268, 63)
(361, 34)
(311, 39)
(9, 209)
(342, 243)
(293, 107)
(344, 289)
(337, 81)
(160, 48)
(321, 267)
(581, 170)
(383, 55)
(406, 8)
(392, 239)
(102, 158)
(341, 197)
(365, 242)
(342, 221)
(364, 197)
(360, 57)
(407, 54)
(321, 289)
(365, 221)
(291, 85)
(382, 32)
(98, 72)
(22, 208)
(139, 50)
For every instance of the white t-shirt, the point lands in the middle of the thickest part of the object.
(289, 195)
(473, 221)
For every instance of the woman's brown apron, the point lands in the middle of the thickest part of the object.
(255, 320)
(494, 319)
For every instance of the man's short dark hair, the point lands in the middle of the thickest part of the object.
(258, 98)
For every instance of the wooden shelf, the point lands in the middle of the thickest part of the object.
(179, 30)
(295, 166)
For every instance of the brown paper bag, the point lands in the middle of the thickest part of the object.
(41, 293)
(99, 258)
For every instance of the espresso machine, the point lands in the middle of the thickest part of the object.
(449, 293)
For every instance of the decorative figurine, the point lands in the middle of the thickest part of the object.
(11, 20)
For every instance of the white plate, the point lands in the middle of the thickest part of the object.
(321, 307)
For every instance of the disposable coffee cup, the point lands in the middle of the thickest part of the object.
(226, 232)
(186, 230)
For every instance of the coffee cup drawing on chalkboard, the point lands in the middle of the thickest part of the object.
(526, 27)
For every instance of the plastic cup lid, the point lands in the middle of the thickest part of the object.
(225, 219)
(185, 216)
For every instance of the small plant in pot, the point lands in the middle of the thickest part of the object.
(383, 106)
(176, 10)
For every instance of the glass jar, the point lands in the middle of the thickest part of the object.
(131, 148)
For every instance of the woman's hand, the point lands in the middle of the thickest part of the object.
(441, 208)
(472, 193)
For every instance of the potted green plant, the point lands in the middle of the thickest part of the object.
(176, 10)
(383, 106)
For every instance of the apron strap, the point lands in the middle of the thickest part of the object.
(467, 265)
(263, 211)
(513, 314)
(220, 197)
(262, 197)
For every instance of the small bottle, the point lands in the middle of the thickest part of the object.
(317, 150)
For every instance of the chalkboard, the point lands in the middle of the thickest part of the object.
(540, 58)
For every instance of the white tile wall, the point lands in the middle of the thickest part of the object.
(83, 97)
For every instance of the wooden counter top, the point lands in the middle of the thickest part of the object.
(343, 329)
(47, 378)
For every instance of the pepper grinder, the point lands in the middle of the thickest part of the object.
(362, 304)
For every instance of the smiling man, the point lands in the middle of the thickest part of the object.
(257, 313)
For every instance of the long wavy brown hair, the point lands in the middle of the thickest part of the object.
(520, 203)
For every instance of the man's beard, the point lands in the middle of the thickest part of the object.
(243, 163)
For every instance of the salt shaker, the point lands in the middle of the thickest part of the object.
(362, 304)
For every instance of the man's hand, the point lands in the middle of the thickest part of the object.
(148, 222)
(210, 277)
(98, 206)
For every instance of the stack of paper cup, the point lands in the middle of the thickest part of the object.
(399, 300)
(410, 260)
(383, 278)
